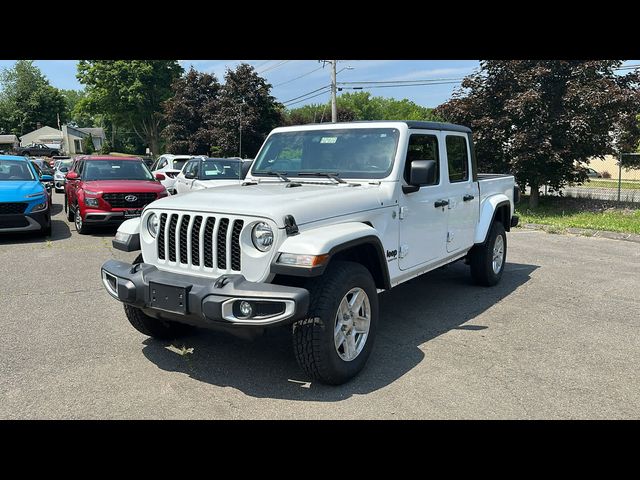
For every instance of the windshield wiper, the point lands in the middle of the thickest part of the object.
(332, 176)
(277, 174)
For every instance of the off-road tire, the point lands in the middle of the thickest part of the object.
(481, 257)
(152, 327)
(313, 337)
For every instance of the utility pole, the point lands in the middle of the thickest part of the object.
(240, 127)
(334, 106)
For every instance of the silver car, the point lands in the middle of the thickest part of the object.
(59, 175)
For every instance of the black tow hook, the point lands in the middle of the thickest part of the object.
(221, 282)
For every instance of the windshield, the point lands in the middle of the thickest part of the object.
(64, 165)
(220, 170)
(178, 164)
(116, 170)
(15, 170)
(348, 153)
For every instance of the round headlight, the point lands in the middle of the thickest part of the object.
(262, 236)
(153, 222)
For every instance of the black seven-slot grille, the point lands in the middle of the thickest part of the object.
(135, 200)
(9, 208)
(220, 239)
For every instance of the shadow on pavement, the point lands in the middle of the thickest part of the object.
(59, 231)
(410, 315)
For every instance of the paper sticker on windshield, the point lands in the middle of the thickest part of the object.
(211, 172)
(115, 166)
(328, 139)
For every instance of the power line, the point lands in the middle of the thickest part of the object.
(308, 98)
(262, 63)
(296, 78)
(273, 67)
(367, 87)
(428, 80)
(308, 93)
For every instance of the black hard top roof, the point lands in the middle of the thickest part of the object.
(413, 124)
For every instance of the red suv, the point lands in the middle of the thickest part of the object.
(106, 190)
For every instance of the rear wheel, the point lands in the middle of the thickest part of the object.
(487, 260)
(333, 343)
(67, 209)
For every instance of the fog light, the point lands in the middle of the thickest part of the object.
(246, 310)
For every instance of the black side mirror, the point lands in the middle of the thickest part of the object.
(423, 172)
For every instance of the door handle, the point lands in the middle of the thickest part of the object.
(468, 198)
(441, 203)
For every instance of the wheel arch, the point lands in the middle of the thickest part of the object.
(497, 207)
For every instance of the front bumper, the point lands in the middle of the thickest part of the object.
(26, 222)
(203, 302)
(99, 217)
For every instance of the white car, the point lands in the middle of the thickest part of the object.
(200, 173)
(61, 169)
(169, 166)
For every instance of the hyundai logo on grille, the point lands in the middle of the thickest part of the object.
(131, 198)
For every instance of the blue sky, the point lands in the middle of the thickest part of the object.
(282, 74)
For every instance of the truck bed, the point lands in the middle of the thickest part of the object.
(492, 183)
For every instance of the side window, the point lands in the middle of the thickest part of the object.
(80, 168)
(422, 147)
(457, 158)
(189, 168)
(162, 163)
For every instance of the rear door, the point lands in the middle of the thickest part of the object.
(463, 194)
(423, 225)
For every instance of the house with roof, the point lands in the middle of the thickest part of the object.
(47, 135)
(74, 138)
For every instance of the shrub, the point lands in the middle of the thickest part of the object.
(606, 174)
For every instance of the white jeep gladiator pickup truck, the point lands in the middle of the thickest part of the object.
(329, 216)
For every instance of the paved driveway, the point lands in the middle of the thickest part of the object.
(558, 338)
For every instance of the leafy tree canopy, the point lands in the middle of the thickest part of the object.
(541, 120)
(130, 93)
(27, 98)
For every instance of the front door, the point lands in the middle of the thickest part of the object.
(423, 226)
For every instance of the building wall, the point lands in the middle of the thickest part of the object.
(51, 135)
(610, 164)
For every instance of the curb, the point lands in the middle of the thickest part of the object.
(586, 232)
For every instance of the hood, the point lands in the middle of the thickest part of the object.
(124, 186)
(17, 191)
(218, 183)
(308, 203)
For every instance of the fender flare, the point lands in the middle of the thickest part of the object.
(127, 237)
(487, 215)
(331, 240)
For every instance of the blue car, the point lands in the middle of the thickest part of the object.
(25, 204)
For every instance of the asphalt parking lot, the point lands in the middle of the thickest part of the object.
(559, 337)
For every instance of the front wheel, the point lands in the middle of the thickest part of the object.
(333, 343)
(81, 227)
(487, 260)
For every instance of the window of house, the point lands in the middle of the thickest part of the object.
(422, 147)
(77, 146)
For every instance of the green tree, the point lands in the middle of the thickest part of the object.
(130, 93)
(246, 107)
(88, 145)
(195, 95)
(543, 120)
(317, 113)
(27, 98)
(362, 106)
(78, 117)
